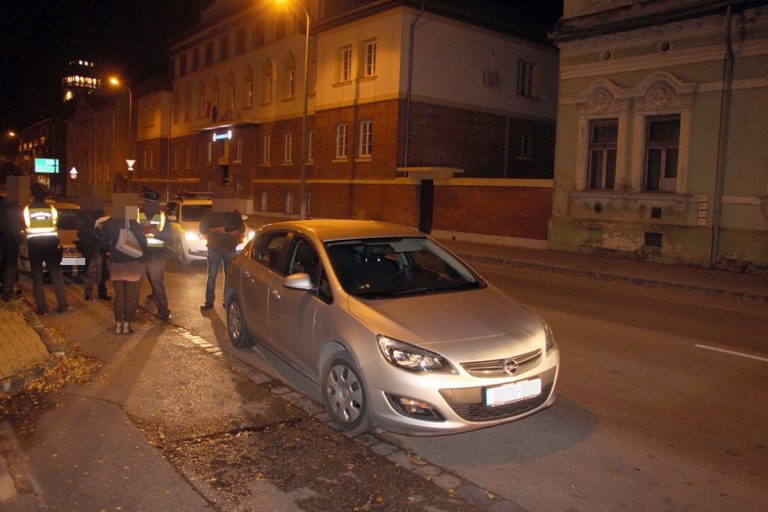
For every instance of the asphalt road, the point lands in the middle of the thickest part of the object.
(651, 415)
(663, 398)
(646, 419)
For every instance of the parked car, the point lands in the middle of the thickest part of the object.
(397, 332)
(185, 212)
(72, 261)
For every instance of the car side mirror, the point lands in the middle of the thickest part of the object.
(299, 281)
(171, 218)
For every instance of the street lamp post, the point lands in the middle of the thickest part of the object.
(303, 188)
(116, 82)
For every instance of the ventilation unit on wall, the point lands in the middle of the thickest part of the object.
(490, 78)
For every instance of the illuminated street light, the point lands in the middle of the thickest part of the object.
(287, 3)
(116, 82)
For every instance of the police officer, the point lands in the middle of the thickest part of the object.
(158, 231)
(44, 247)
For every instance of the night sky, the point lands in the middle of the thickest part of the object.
(37, 39)
(127, 37)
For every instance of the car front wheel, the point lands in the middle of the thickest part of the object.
(238, 332)
(344, 394)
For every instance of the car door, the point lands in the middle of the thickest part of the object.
(292, 312)
(259, 270)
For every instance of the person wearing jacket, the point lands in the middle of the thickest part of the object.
(44, 246)
(89, 244)
(223, 226)
(125, 271)
(158, 232)
(12, 231)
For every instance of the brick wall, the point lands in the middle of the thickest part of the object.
(520, 212)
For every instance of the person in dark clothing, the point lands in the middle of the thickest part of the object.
(88, 243)
(125, 271)
(12, 232)
(158, 232)
(224, 228)
(44, 246)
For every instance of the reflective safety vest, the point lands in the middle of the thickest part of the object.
(157, 220)
(41, 221)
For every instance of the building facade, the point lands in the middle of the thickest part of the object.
(415, 115)
(660, 152)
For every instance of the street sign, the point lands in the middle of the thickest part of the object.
(73, 173)
(130, 164)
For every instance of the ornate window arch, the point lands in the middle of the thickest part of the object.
(660, 94)
(602, 100)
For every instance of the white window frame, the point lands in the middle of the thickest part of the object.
(288, 148)
(239, 150)
(289, 202)
(365, 144)
(525, 75)
(264, 201)
(249, 94)
(342, 141)
(605, 150)
(369, 53)
(345, 63)
(265, 149)
(266, 94)
(290, 83)
(310, 146)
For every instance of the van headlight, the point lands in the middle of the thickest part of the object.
(412, 358)
(193, 237)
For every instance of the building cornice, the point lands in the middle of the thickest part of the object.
(642, 15)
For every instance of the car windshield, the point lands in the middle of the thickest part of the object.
(194, 212)
(67, 218)
(393, 267)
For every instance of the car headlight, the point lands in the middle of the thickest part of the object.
(189, 235)
(412, 358)
(550, 338)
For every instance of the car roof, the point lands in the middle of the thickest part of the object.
(329, 230)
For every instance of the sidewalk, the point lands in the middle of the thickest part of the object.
(681, 278)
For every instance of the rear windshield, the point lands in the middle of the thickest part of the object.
(67, 218)
(393, 267)
(193, 212)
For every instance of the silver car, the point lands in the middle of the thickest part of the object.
(397, 332)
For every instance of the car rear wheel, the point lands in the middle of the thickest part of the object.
(344, 394)
(239, 334)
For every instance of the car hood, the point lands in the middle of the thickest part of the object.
(453, 322)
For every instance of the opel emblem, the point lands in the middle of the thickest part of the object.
(510, 366)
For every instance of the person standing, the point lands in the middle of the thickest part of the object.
(125, 270)
(12, 231)
(158, 232)
(89, 245)
(44, 246)
(224, 228)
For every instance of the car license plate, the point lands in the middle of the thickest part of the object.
(512, 392)
(70, 262)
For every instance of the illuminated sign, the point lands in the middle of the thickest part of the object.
(73, 173)
(47, 165)
(222, 136)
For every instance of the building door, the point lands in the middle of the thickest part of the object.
(426, 203)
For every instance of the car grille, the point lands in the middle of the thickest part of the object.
(497, 367)
(469, 405)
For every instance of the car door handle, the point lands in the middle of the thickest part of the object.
(276, 294)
